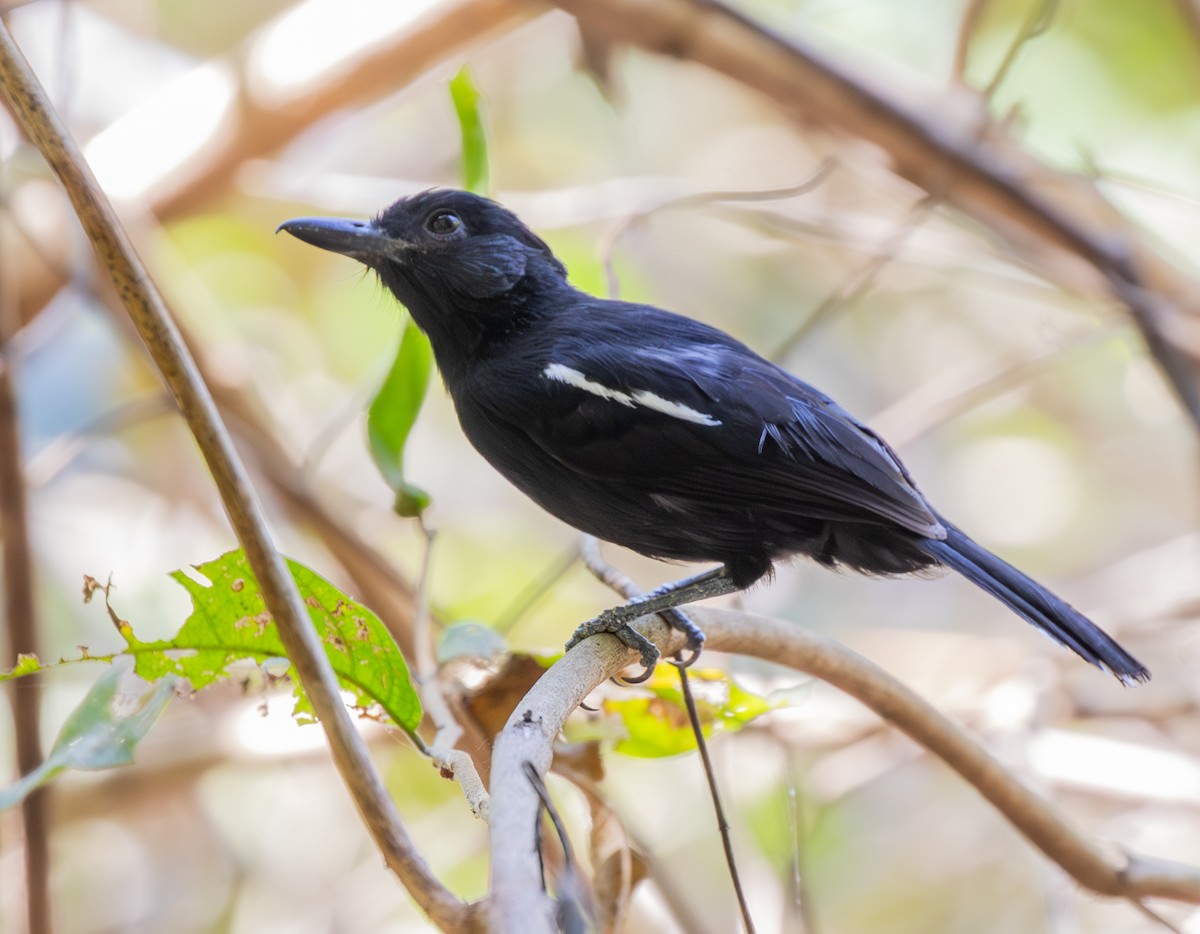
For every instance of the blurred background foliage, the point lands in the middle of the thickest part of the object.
(1028, 412)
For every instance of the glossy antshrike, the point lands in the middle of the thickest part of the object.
(659, 433)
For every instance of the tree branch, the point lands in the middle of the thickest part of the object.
(535, 723)
(36, 117)
(21, 629)
(971, 164)
(258, 127)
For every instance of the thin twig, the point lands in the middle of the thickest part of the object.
(972, 17)
(858, 283)
(28, 103)
(574, 905)
(426, 662)
(689, 703)
(608, 243)
(60, 453)
(1034, 25)
(448, 731)
(802, 900)
(609, 575)
(954, 393)
(535, 590)
(1155, 918)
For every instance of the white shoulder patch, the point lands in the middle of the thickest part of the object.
(643, 397)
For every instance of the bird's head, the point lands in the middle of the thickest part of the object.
(462, 264)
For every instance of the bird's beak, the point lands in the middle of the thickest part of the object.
(342, 235)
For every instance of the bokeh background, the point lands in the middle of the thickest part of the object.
(1027, 409)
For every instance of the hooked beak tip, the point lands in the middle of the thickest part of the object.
(356, 238)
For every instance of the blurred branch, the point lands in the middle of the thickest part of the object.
(626, 224)
(536, 721)
(854, 286)
(971, 19)
(950, 150)
(953, 392)
(1131, 877)
(36, 117)
(1189, 12)
(1036, 22)
(862, 279)
(258, 126)
(21, 628)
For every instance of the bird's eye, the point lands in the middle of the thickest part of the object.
(443, 223)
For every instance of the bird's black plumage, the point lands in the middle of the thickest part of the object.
(655, 431)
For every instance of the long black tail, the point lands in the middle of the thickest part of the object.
(1027, 597)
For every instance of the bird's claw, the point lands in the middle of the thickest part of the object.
(679, 661)
(622, 630)
(679, 621)
(616, 621)
(622, 680)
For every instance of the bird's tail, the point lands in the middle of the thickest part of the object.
(1035, 603)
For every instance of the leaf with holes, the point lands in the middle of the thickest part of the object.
(230, 622)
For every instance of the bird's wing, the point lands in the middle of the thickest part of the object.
(710, 418)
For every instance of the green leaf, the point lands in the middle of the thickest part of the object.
(96, 735)
(26, 665)
(469, 639)
(657, 725)
(230, 622)
(466, 98)
(394, 411)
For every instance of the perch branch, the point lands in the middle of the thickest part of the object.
(537, 719)
(36, 117)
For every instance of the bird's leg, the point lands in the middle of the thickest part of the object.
(663, 600)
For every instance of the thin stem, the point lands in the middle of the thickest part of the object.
(35, 115)
(689, 702)
(858, 283)
(535, 590)
(20, 615)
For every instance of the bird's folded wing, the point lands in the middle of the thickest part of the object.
(713, 422)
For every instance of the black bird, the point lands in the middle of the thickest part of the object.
(657, 432)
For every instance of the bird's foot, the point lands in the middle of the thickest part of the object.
(616, 620)
(681, 622)
(620, 628)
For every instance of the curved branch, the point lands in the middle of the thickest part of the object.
(27, 100)
(969, 163)
(537, 719)
(1090, 864)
